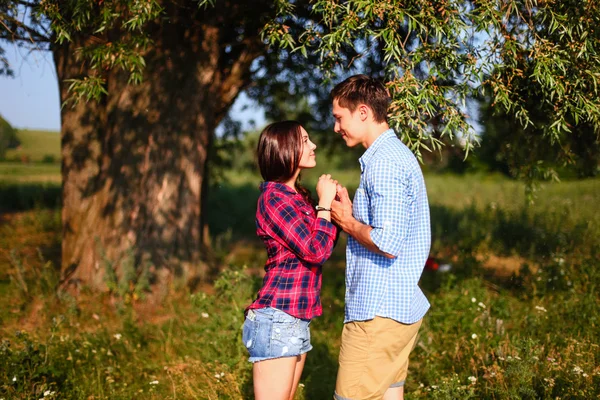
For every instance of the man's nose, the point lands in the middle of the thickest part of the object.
(336, 127)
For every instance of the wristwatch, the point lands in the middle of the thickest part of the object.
(320, 208)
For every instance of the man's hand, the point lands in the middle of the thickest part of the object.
(341, 214)
(341, 208)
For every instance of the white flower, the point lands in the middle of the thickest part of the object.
(585, 375)
(154, 383)
(541, 309)
(14, 378)
(217, 376)
(117, 336)
(434, 387)
(473, 299)
(481, 305)
(301, 385)
(204, 315)
(474, 336)
(46, 393)
(577, 370)
(472, 379)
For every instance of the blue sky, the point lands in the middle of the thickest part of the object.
(30, 99)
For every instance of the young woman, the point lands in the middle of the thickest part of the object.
(299, 238)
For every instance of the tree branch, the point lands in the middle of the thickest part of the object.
(33, 34)
(235, 79)
(19, 38)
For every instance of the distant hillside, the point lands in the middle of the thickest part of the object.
(36, 146)
(8, 137)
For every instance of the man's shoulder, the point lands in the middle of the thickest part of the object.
(394, 152)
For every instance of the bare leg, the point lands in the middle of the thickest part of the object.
(297, 374)
(395, 393)
(273, 379)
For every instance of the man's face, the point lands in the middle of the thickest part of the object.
(348, 124)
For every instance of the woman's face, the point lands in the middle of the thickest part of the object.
(308, 158)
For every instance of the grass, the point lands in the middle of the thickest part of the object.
(528, 332)
(36, 146)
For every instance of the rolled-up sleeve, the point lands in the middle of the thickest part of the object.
(391, 198)
(311, 242)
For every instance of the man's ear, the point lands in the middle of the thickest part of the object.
(363, 111)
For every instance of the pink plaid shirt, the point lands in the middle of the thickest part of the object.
(298, 243)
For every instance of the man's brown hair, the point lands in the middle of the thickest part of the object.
(362, 89)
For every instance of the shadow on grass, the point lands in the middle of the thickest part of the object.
(319, 372)
(27, 196)
(232, 209)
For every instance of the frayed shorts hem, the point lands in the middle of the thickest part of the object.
(258, 359)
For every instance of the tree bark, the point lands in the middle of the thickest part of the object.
(134, 163)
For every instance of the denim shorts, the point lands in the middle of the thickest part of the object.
(271, 333)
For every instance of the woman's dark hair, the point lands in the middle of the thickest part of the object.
(279, 151)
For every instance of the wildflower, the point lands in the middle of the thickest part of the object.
(517, 358)
(577, 370)
(421, 385)
(474, 336)
(154, 383)
(472, 379)
(204, 315)
(551, 359)
(14, 378)
(473, 299)
(585, 375)
(46, 393)
(117, 336)
(481, 305)
(301, 385)
(434, 387)
(540, 308)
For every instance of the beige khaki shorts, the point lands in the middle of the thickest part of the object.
(374, 357)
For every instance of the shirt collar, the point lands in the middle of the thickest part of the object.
(282, 187)
(370, 152)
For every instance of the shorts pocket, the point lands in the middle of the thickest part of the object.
(249, 333)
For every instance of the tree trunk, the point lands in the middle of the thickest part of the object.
(133, 164)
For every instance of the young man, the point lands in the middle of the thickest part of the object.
(388, 244)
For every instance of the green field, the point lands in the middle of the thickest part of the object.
(36, 146)
(517, 316)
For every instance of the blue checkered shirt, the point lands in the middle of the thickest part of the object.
(392, 199)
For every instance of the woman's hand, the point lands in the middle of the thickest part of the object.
(326, 190)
